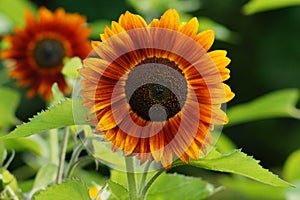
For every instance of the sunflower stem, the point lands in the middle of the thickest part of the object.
(144, 176)
(54, 147)
(146, 188)
(62, 156)
(131, 179)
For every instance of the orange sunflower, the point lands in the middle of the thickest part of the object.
(154, 90)
(39, 49)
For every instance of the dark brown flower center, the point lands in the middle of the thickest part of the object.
(156, 89)
(49, 53)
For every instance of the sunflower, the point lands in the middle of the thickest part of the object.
(39, 49)
(154, 90)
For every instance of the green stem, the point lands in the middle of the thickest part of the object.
(80, 161)
(144, 176)
(62, 156)
(54, 148)
(74, 158)
(146, 188)
(131, 179)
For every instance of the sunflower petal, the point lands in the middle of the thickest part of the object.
(206, 39)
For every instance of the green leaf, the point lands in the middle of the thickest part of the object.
(9, 180)
(175, 186)
(224, 144)
(9, 101)
(5, 24)
(57, 94)
(14, 10)
(3, 153)
(118, 190)
(239, 163)
(119, 177)
(293, 193)
(4, 77)
(57, 116)
(69, 190)
(291, 167)
(89, 177)
(71, 66)
(34, 144)
(102, 151)
(45, 176)
(251, 189)
(256, 6)
(276, 104)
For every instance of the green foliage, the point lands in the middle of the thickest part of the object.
(8, 105)
(45, 176)
(291, 167)
(153, 8)
(33, 144)
(256, 6)
(249, 189)
(176, 186)
(8, 183)
(293, 193)
(222, 33)
(224, 144)
(68, 190)
(71, 66)
(103, 152)
(119, 191)
(239, 163)
(57, 116)
(14, 10)
(57, 94)
(276, 104)
(98, 28)
(3, 153)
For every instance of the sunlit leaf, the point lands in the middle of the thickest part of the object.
(8, 105)
(256, 6)
(89, 177)
(57, 116)
(251, 189)
(45, 176)
(14, 10)
(119, 177)
(69, 190)
(57, 94)
(239, 163)
(276, 104)
(71, 66)
(175, 186)
(9, 180)
(293, 193)
(103, 152)
(224, 144)
(291, 167)
(3, 153)
(5, 24)
(118, 190)
(34, 144)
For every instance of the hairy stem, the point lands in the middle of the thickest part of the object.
(131, 179)
(62, 156)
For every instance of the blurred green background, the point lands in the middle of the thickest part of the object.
(264, 48)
